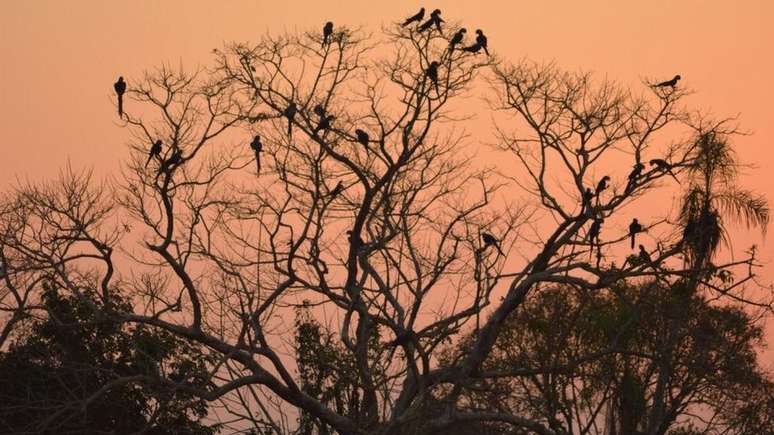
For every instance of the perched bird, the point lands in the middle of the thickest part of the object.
(415, 18)
(435, 19)
(481, 41)
(155, 151)
(257, 146)
(672, 83)
(634, 228)
(290, 113)
(634, 175)
(327, 32)
(432, 73)
(120, 88)
(664, 166)
(324, 123)
(457, 38)
(173, 160)
(336, 190)
(362, 137)
(636, 171)
(645, 256)
(490, 240)
(593, 235)
(602, 185)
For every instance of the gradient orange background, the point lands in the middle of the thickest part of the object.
(58, 60)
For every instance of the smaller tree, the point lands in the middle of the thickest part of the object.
(79, 370)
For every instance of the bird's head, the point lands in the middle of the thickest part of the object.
(434, 64)
(437, 12)
(479, 32)
(329, 24)
(635, 221)
(677, 77)
(120, 79)
(463, 30)
(421, 10)
(642, 248)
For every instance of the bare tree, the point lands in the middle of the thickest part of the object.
(394, 241)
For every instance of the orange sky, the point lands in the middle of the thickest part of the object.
(58, 61)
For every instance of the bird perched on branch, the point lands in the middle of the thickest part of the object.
(669, 83)
(457, 38)
(593, 235)
(664, 166)
(602, 185)
(634, 228)
(327, 32)
(120, 88)
(290, 114)
(481, 43)
(257, 146)
(415, 18)
(155, 151)
(634, 175)
(490, 240)
(173, 160)
(362, 137)
(645, 256)
(432, 73)
(435, 19)
(325, 123)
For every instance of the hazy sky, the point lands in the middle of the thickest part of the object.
(58, 60)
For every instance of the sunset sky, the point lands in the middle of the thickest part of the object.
(59, 60)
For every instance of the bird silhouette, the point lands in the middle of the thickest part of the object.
(432, 73)
(173, 160)
(671, 83)
(155, 151)
(362, 137)
(257, 146)
(415, 18)
(336, 190)
(435, 19)
(634, 175)
(645, 256)
(327, 32)
(636, 171)
(602, 185)
(490, 240)
(324, 123)
(120, 88)
(457, 38)
(290, 114)
(634, 228)
(319, 110)
(481, 41)
(663, 165)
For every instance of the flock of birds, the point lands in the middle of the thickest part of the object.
(325, 121)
